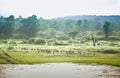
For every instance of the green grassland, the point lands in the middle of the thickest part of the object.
(77, 39)
(105, 52)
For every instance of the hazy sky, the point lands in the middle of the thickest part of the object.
(57, 8)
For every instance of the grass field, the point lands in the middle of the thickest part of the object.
(34, 54)
(31, 58)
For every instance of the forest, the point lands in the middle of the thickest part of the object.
(79, 39)
(62, 28)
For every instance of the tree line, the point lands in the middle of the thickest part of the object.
(11, 27)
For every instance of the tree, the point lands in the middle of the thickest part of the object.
(79, 25)
(10, 23)
(7, 26)
(106, 29)
(85, 24)
(10, 18)
(73, 34)
(30, 26)
(94, 40)
(68, 26)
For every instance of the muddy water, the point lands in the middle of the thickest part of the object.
(59, 70)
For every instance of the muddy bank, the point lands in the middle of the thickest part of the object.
(59, 70)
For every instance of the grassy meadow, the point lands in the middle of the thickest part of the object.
(78, 39)
(21, 52)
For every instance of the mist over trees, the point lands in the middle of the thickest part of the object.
(60, 28)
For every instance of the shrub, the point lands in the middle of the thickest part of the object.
(31, 41)
(82, 41)
(103, 43)
(51, 41)
(70, 41)
(111, 51)
(113, 38)
(60, 43)
(24, 41)
(4, 41)
(10, 48)
(39, 41)
(12, 42)
(113, 44)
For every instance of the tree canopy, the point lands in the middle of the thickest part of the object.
(32, 26)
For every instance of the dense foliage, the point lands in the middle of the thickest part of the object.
(60, 28)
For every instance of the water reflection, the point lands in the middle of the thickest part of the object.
(58, 70)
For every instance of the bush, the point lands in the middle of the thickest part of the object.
(51, 41)
(111, 38)
(39, 41)
(60, 43)
(111, 51)
(12, 42)
(0, 42)
(103, 43)
(4, 41)
(10, 48)
(113, 44)
(31, 41)
(24, 41)
(70, 41)
(82, 41)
